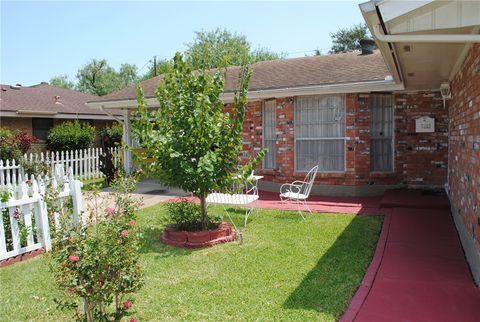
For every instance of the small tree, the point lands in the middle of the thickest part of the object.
(195, 144)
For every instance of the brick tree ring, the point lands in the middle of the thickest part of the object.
(198, 239)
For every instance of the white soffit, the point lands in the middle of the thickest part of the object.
(427, 65)
(392, 9)
(412, 16)
(424, 65)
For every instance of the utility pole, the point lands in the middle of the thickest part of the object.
(154, 65)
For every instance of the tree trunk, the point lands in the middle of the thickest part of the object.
(203, 206)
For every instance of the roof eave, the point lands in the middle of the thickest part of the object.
(370, 15)
(54, 115)
(356, 87)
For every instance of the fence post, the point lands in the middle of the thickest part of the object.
(77, 200)
(44, 228)
(41, 210)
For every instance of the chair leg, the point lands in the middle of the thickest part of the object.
(282, 201)
(306, 206)
(298, 209)
(248, 212)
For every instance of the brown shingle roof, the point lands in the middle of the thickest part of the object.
(41, 97)
(287, 73)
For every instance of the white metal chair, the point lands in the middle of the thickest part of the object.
(297, 192)
(246, 196)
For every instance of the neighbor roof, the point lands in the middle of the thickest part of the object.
(288, 73)
(41, 98)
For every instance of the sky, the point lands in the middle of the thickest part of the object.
(40, 40)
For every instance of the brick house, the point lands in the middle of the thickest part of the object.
(36, 109)
(406, 115)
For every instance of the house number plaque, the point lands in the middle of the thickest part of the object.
(425, 124)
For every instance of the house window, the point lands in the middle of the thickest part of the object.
(320, 133)
(381, 152)
(269, 136)
(41, 127)
(84, 122)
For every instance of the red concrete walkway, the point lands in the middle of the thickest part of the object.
(419, 272)
(423, 275)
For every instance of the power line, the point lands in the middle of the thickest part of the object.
(306, 51)
(149, 61)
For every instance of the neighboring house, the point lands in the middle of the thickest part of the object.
(405, 115)
(36, 109)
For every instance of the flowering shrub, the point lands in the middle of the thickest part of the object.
(96, 265)
(24, 141)
(14, 144)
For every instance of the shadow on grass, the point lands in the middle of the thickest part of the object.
(150, 243)
(237, 215)
(329, 286)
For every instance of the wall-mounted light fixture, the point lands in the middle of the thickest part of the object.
(445, 91)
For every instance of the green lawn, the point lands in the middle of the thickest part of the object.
(287, 269)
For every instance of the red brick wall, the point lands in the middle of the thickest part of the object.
(464, 170)
(420, 158)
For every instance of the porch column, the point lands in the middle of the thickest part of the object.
(127, 138)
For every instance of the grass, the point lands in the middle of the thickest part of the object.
(287, 269)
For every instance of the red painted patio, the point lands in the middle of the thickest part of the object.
(419, 271)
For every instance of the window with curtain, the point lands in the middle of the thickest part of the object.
(320, 132)
(41, 127)
(381, 129)
(269, 136)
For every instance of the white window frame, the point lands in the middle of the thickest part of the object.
(295, 163)
(263, 134)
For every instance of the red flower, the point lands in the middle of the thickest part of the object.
(73, 258)
(110, 211)
(127, 304)
(71, 290)
(132, 222)
(124, 232)
(133, 320)
(119, 274)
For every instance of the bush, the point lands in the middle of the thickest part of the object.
(14, 144)
(111, 135)
(185, 215)
(70, 136)
(24, 141)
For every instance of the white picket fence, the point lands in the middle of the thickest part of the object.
(26, 206)
(84, 163)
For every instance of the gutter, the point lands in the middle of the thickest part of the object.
(54, 115)
(446, 38)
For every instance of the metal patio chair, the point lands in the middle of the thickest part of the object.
(297, 192)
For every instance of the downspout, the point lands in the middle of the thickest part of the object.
(446, 38)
